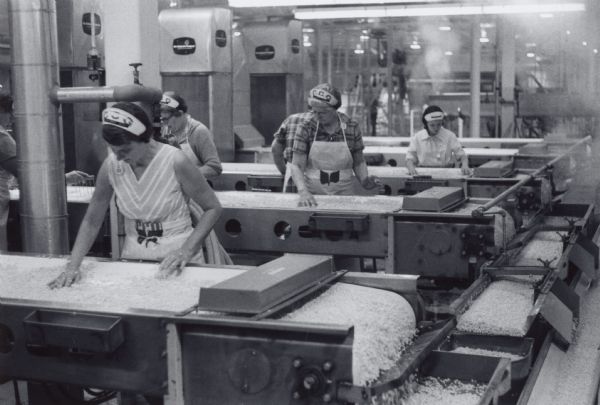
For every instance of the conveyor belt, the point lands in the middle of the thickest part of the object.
(395, 180)
(465, 142)
(396, 155)
(372, 204)
(392, 155)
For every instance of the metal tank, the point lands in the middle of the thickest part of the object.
(195, 61)
(271, 74)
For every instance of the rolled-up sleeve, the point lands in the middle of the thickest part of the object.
(456, 147)
(301, 138)
(8, 146)
(205, 149)
(411, 152)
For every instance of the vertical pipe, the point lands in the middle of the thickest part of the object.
(508, 74)
(475, 78)
(390, 80)
(330, 57)
(497, 81)
(34, 71)
(346, 62)
(319, 54)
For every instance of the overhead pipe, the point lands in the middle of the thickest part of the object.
(479, 211)
(131, 92)
(36, 91)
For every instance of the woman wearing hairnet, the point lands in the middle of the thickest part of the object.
(328, 150)
(434, 145)
(153, 183)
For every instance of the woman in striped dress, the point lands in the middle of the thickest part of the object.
(153, 183)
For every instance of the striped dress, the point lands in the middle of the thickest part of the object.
(157, 217)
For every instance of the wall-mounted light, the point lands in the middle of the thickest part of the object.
(595, 50)
(317, 13)
(584, 43)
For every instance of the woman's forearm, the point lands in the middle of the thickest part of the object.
(205, 224)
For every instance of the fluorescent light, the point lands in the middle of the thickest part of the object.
(359, 51)
(530, 54)
(289, 3)
(448, 53)
(484, 40)
(415, 46)
(318, 13)
(444, 28)
(546, 15)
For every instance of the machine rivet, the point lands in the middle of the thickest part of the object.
(326, 397)
(297, 363)
(296, 395)
(327, 366)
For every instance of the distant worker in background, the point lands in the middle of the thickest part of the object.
(327, 149)
(188, 134)
(434, 145)
(9, 166)
(153, 183)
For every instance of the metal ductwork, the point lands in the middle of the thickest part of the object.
(35, 78)
(34, 72)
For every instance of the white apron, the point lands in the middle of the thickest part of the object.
(215, 253)
(156, 215)
(329, 167)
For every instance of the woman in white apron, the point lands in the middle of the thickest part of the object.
(152, 183)
(329, 166)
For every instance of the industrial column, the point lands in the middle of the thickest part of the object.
(507, 51)
(34, 72)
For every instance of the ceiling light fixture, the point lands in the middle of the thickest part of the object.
(318, 13)
(290, 3)
(444, 28)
